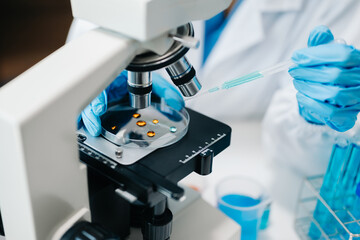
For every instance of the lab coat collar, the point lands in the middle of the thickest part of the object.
(245, 29)
(280, 5)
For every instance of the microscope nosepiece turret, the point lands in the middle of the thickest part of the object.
(181, 72)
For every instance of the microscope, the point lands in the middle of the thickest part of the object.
(113, 192)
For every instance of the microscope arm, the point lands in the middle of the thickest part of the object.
(43, 186)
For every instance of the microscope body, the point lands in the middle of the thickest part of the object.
(43, 186)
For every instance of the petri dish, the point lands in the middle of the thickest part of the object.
(152, 127)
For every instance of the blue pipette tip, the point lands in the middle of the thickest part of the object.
(213, 89)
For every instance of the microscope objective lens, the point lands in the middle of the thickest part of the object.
(173, 129)
(155, 121)
(136, 115)
(141, 123)
(150, 133)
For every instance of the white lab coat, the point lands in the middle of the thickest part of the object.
(260, 34)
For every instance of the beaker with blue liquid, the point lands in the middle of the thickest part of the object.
(245, 201)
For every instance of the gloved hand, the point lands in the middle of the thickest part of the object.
(118, 88)
(327, 77)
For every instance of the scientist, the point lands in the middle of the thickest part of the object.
(255, 34)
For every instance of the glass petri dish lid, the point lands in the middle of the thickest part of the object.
(157, 126)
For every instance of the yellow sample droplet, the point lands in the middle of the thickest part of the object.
(113, 127)
(136, 115)
(155, 121)
(141, 123)
(151, 133)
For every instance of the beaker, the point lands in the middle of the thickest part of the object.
(244, 200)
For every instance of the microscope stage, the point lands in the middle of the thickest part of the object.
(159, 170)
(129, 134)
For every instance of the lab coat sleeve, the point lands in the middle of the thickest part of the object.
(293, 148)
(292, 142)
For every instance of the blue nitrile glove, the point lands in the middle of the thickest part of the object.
(327, 77)
(118, 89)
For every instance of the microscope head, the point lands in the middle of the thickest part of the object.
(162, 28)
(174, 61)
(144, 20)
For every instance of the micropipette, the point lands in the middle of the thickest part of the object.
(282, 66)
(247, 78)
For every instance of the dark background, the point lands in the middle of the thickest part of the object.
(29, 31)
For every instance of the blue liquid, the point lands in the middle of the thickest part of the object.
(248, 219)
(350, 180)
(265, 218)
(241, 80)
(339, 181)
(240, 200)
(327, 191)
(215, 89)
(356, 209)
